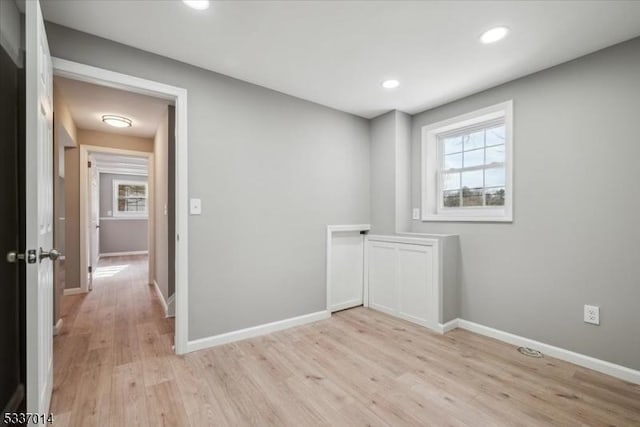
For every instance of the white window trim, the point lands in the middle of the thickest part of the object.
(430, 167)
(137, 215)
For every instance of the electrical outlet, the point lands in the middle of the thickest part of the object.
(416, 213)
(592, 314)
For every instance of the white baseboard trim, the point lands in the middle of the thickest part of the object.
(57, 327)
(446, 327)
(129, 253)
(255, 331)
(161, 298)
(618, 371)
(74, 291)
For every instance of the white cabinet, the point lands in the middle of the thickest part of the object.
(404, 278)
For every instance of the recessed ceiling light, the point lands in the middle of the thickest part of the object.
(493, 35)
(116, 121)
(197, 4)
(390, 84)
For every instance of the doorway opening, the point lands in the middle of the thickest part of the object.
(119, 222)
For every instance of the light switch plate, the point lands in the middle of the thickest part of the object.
(195, 206)
(416, 213)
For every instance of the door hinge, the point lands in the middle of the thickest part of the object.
(89, 164)
(90, 269)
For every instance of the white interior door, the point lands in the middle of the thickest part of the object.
(39, 211)
(347, 268)
(94, 220)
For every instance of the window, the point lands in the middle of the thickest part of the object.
(467, 167)
(129, 198)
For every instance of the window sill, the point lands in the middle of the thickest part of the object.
(466, 218)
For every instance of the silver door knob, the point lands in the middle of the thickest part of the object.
(53, 254)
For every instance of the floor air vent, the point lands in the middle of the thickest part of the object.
(530, 352)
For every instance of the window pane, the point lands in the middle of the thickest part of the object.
(472, 196)
(495, 154)
(135, 205)
(474, 140)
(453, 161)
(472, 179)
(127, 190)
(494, 196)
(450, 181)
(495, 135)
(494, 177)
(136, 190)
(452, 145)
(473, 158)
(451, 199)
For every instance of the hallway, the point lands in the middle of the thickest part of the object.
(105, 336)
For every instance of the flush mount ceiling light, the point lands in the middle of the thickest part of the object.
(390, 84)
(197, 4)
(493, 35)
(116, 121)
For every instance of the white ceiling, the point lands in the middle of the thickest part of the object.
(336, 53)
(88, 103)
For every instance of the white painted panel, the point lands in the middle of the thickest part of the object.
(39, 210)
(415, 282)
(383, 277)
(347, 262)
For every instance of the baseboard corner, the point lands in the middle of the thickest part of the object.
(448, 326)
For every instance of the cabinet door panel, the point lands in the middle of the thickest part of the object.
(415, 282)
(347, 263)
(382, 277)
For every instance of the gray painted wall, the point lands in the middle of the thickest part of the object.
(117, 234)
(383, 173)
(575, 239)
(11, 30)
(272, 171)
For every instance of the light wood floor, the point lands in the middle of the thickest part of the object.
(114, 366)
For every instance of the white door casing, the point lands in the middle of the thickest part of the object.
(39, 210)
(100, 76)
